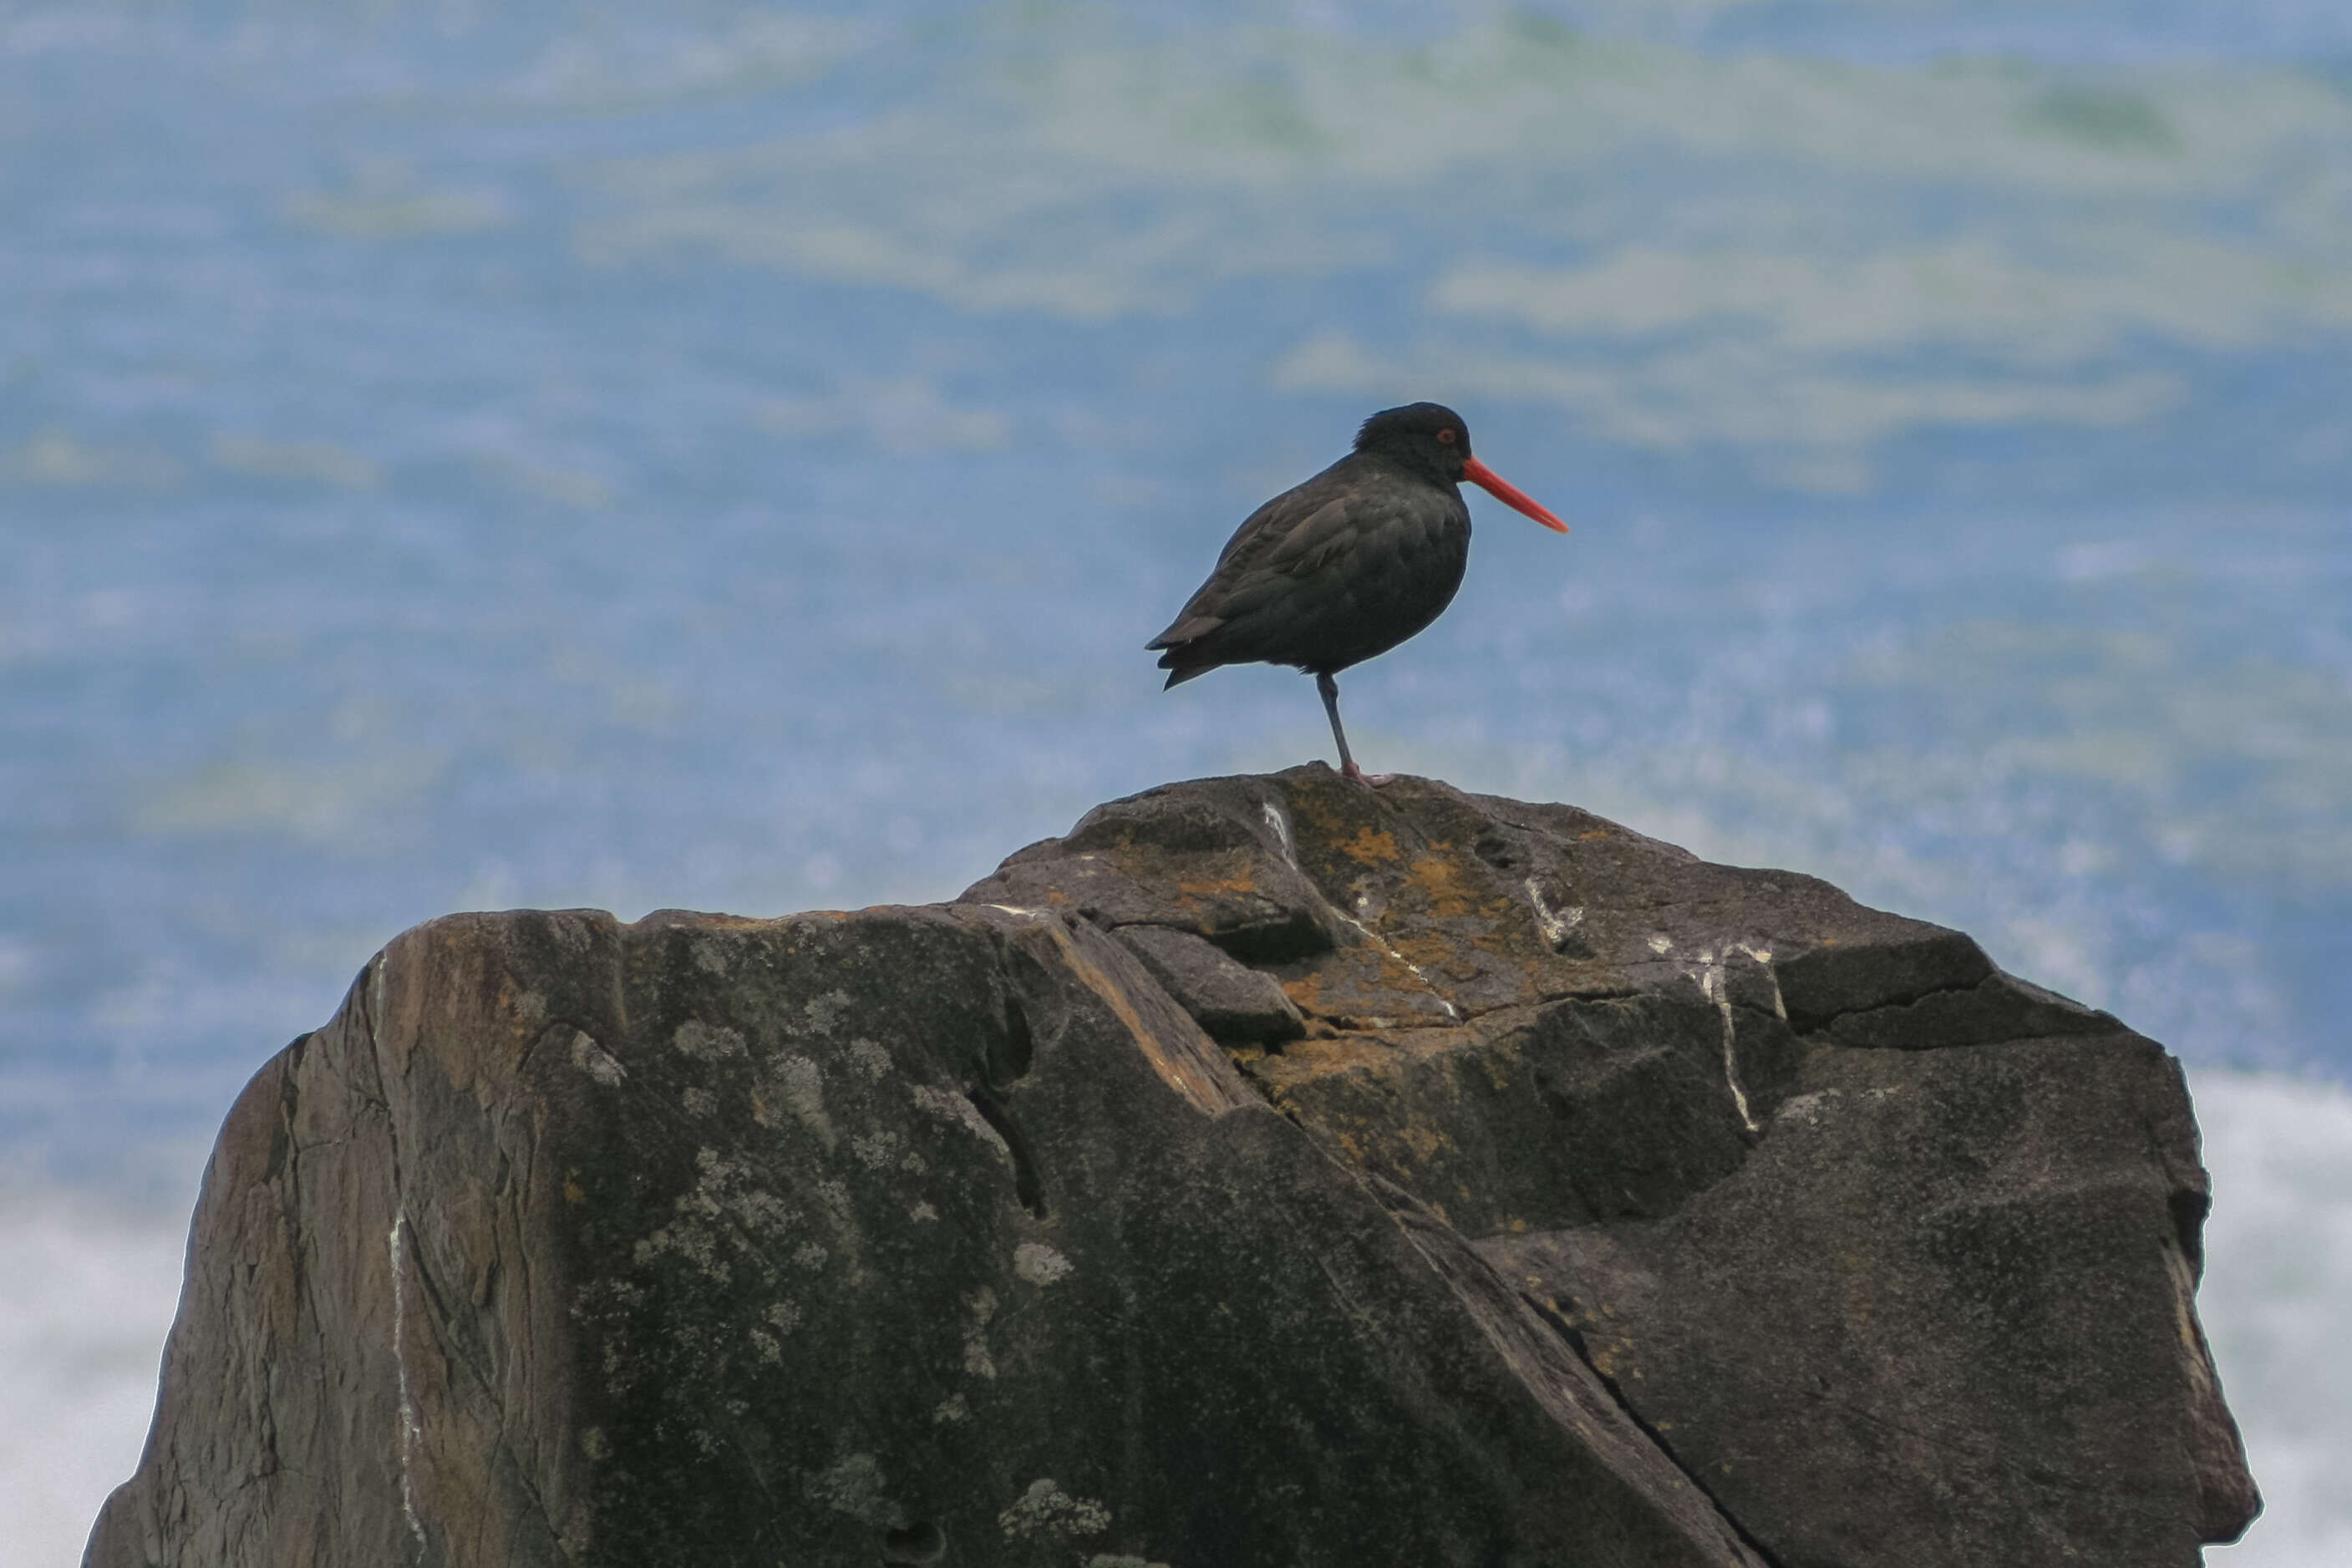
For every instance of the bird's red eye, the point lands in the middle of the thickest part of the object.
(1447, 436)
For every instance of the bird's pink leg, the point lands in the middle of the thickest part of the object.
(1330, 691)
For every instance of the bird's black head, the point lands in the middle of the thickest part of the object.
(1426, 437)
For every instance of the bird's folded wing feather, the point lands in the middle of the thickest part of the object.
(1294, 536)
(1299, 553)
(1316, 540)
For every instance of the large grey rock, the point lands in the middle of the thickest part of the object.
(1554, 1197)
(1235, 1004)
(1894, 1253)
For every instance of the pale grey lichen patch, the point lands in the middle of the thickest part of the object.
(923, 1211)
(976, 1357)
(592, 1443)
(823, 1012)
(702, 1233)
(1804, 1109)
(950, 1106)
(854, 1486)
(1038, 1263)
(951, 1408)
(607, 1295)
(869, 1058)
(875, 1149)
(764, 1347)
(530, 1007)
(804, 1086)
(596, 1061)
(785, 1314)
(710, 1042)
(760, 1211)
(808, 1255)
(699, 1101)
(708, 958)
(833, 1208)
(693, 1243)
(1045, 1510)
(914, 1163)
(716, 1170)
(600, 1302)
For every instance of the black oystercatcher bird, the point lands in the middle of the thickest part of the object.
(1347, 565)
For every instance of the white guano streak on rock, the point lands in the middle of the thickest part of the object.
(1764, 957)
(1709, 976)
(409, 1430)
(1381, 943)
(1555, 926)
(1281, 826)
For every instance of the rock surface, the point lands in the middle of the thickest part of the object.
(1271, 1172)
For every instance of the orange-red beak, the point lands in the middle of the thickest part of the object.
(1510, 495)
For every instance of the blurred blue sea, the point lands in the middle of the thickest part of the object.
(465, 457)
(457, 458)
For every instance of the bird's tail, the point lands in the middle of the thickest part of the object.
(1184, 656)
(1183, 663)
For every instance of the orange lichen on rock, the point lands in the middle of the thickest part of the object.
(1306, 993)
(1192, 890)
(1422, 1140)
(1438, 876)
(1320, 811)
(1313, 1058)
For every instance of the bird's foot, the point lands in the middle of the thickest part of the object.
(1356, 775)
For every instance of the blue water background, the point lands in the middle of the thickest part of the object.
(470, 458)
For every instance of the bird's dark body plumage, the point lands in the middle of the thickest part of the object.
(1346, 566)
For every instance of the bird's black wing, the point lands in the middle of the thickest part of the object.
(1275, 542)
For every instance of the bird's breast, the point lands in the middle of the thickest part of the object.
(1401, 574)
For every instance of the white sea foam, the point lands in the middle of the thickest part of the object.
(88, 1292)
(2277, 1304)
